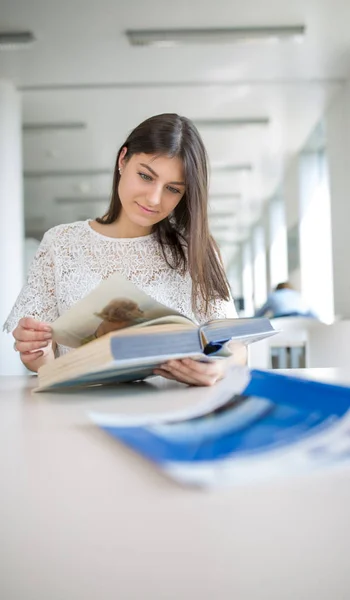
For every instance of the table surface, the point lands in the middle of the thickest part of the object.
(84, 518)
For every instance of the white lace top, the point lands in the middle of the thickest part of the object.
(73, 259)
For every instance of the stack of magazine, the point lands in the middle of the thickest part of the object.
(274, 426)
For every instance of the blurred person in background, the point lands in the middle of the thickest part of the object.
(285, 301)
(155, 232)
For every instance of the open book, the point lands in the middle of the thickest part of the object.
(119, 333)
(274, 426)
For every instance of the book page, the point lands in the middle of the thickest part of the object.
(115, 304)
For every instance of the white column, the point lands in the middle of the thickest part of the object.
(11, 218)
(291, 196)
(337, 122)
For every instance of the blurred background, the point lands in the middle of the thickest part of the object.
(265, 81)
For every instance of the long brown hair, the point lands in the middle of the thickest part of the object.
(175, 136)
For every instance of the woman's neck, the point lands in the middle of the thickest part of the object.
(118, 229)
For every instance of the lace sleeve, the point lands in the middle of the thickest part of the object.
(37, 298)
(217, 309)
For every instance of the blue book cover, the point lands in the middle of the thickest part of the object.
(277, 425)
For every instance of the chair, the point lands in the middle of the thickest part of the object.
(287, 349)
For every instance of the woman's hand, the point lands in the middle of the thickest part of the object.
(193, 372)
(33, 340)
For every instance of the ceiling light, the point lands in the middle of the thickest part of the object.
(52, 126)
(82, 200)
(13, 40)
(217, 215)
(232, 196)
(67, 173)
(155, 37)
(222, 221)
(83, 187)
(241, 122)
(244, 167)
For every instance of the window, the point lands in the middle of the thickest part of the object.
(259, 267)
(315, 235)
(247, 278)
(278, 243)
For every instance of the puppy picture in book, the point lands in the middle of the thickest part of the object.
(117, 314)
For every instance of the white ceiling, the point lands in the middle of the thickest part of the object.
(82, 69)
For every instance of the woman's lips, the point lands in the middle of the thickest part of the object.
(147, 210)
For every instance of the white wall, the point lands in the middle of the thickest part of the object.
(337, 124)
(11, 217)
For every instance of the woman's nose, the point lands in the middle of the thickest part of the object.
(154, 197)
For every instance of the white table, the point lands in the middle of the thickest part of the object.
(83, 518)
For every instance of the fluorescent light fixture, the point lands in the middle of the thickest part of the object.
(82, 200)
(159, 37)
(244, 167)
(232, 196)
(67, 173)
(223, 224)
(241, 122)
(58, 126)
(13, 40)
(217, 215)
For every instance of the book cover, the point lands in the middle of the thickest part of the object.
(275, 426)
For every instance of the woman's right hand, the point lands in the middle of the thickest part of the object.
(33, 339)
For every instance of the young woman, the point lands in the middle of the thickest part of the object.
(155, 232)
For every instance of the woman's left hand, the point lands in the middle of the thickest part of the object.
(193, 372)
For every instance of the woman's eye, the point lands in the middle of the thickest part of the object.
(174, 190)
(145, 177)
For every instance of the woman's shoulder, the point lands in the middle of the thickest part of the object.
(67, 231)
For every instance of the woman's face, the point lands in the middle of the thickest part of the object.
(150, 188)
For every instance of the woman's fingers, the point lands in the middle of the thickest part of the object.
(33, 339)
(164, 373)
(192, 373)
(29, 330)
(28, 357)
(202, 368)
(28, 335)
(30, 323)
(176, 376)
(206, 373)
(30, 346)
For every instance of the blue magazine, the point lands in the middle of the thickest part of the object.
(277, 425)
